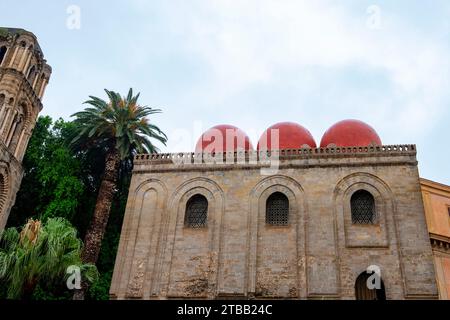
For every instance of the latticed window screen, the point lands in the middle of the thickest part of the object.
(363, 207)
(196, 212)
(277, 209)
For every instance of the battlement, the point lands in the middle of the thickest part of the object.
(289, 158)
(249, 156)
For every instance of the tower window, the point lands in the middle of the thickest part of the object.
(196, 212)
(2, 54)
(277, 209)
(363, 207)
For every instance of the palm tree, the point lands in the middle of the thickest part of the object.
(40, 253)
(120, 128)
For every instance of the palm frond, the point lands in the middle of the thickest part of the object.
(119, 123)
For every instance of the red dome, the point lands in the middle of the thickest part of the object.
(223, 138)
(291, 136)
(350, 133)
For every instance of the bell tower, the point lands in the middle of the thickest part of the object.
(24, 75)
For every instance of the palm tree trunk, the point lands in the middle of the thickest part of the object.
(97, 227)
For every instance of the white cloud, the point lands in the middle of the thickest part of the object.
(245, 43)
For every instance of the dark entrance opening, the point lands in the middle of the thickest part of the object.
(362, 291)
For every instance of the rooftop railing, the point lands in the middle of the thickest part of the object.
(248, 156)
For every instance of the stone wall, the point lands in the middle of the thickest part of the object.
(319, 254)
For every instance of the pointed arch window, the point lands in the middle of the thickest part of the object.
(196, 212)
(362, 205)
(277, 209)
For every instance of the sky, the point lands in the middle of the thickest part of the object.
(253, 63)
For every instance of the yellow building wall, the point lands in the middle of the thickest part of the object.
(442, 265)
(436, 198)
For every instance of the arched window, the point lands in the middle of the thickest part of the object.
(277, 209)
(2, 53)
(362, 290)
(196, 212)
(363, 207)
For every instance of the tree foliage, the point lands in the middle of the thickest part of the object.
(52, 183)
(39, 253)
(63, 168)
(119, 123)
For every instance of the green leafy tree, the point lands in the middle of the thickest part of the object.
(52, 185)
(39, 254)
(121, 128)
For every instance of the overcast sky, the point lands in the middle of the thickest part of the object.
(254, 63)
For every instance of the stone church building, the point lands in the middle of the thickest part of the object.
(287, 219)
(24, 75)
